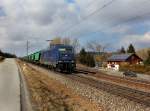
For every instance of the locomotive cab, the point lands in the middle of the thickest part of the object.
(66, 61)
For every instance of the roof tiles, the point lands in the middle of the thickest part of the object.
(119, 57)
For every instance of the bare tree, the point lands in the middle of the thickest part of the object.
(66, 41)
(105, 46)
(94, 46)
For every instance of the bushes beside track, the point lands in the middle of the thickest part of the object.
(86, 58)
(136, 68)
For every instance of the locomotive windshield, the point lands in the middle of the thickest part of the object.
(65, 50)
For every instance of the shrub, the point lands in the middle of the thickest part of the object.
(86, 58)
(1, 58)
(147, 61)
(89, 59)
(135, 68)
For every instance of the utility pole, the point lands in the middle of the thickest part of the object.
(49, 42)
(27, 47)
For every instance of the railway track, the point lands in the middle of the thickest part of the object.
(141, 83)
(84, 71)
(128, 93)
(131, 94)
(123, 80)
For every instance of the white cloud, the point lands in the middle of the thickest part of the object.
(38, 20)
(139, 40)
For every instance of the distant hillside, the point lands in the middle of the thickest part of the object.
(143, 53)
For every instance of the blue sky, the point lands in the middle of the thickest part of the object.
(2, 13)
(70, 1)
(116, 23)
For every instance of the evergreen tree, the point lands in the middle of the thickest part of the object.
(90, 60)
(86, 58)
(122, 50)
(1, 53)
(83, 52)
(82, 56)
(131, 49)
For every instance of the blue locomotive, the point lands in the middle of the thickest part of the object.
(59, 57)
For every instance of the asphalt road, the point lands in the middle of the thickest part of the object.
(9, 86)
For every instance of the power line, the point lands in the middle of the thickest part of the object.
(137, 17)
(87, 6)
(90, 15)
(90, 3)
(125, 21)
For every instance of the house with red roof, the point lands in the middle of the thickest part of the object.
(124, 58)
(115, 60)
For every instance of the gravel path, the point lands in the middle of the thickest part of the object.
(108, 101)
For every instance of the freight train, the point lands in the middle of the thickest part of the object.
(58, 57)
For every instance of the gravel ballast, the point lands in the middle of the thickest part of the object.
(109, 101)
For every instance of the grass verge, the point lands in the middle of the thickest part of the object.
(48, 94)
(136, 68)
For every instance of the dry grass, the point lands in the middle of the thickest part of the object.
(50, 95)
(136, 68)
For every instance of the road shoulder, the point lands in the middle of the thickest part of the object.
(25, 95)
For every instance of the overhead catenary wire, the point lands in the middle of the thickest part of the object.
(90, 15)
(123, 22)
(89, 4)
(115, 25)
